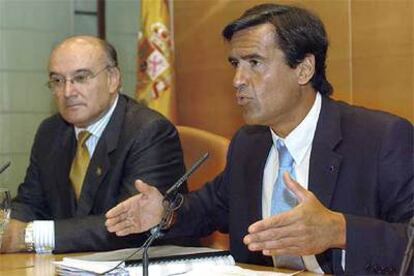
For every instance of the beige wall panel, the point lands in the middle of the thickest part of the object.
(203, 77)
(383, 49)
(336, 17)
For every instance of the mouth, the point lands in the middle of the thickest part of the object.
(242, 100)
(73, 105)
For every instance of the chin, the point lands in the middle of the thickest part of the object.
(250, 119)
(76, 121)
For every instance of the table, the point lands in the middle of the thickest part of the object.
(41, 264)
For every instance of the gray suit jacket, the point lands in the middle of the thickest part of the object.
(361, 165)
(137, 143)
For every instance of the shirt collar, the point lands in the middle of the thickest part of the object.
(300, 138)
(98, 127)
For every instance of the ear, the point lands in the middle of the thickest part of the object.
(306, 69)
(114, 80)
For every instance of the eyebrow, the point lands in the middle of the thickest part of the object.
(246, 57)
(82, 70)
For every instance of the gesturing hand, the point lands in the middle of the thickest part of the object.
(136, 214)
(308, 229)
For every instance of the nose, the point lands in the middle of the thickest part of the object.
(239, 79)
(69, 88)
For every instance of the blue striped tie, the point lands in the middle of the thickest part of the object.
(283, 200)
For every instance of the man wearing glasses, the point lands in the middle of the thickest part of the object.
(85, 159)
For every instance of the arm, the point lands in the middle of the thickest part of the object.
(154, 156)
(150, 150)
(311, 228)
(202, 212)
(383, 238)
(308, 229)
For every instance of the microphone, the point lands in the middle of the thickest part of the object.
(4, 167)
(170, 205)
(408, 254)
(172, 192)
(172, 201)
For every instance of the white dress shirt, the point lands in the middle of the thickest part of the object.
(299, 144)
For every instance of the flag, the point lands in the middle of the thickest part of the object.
(155, 80)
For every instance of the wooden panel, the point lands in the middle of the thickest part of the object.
(203, 78)
(382, 58)
(335, 16)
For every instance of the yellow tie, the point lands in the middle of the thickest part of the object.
(80, 163)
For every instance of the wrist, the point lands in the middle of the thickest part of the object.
(29, 237)
(340, 238)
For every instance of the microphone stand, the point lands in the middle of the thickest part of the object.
(4, 167)
(408, 254)
(156, 232)
(172, 201)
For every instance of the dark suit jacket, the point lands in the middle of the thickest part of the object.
(137, 143)
(361, 165)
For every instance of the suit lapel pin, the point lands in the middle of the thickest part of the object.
(98, 171)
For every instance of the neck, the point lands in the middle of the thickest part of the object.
(112, 101)
(285, 124)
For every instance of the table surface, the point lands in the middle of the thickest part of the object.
(41, 264)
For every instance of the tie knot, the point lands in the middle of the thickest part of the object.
(83, 137)
(285, 159)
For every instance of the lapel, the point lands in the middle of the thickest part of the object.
(325, 162)
(61, 160)
(260, 147)
(255, 154)
(100, 163)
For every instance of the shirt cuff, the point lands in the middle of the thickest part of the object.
(44, 235)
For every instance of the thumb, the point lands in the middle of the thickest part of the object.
(295, 187)
(142, 187)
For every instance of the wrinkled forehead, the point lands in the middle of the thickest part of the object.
(76, 54)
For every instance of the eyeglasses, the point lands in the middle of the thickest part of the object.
(57, 82)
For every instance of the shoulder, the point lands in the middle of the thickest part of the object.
(138, 115)
(364, 121)
(251, 132)
(139, 120)
(53, 124)
(250, 138)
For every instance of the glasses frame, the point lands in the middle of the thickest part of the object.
(55, 89)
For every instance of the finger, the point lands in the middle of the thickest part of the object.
(116, 211)
(123, 207)
(271, 234)
(125, 232)
(111, 222)
(278, 244)
(287, 251)
(120, 226)
(280, 220)
(295, 187)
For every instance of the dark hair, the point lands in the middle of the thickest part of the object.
(110, 53)
(298, 33)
